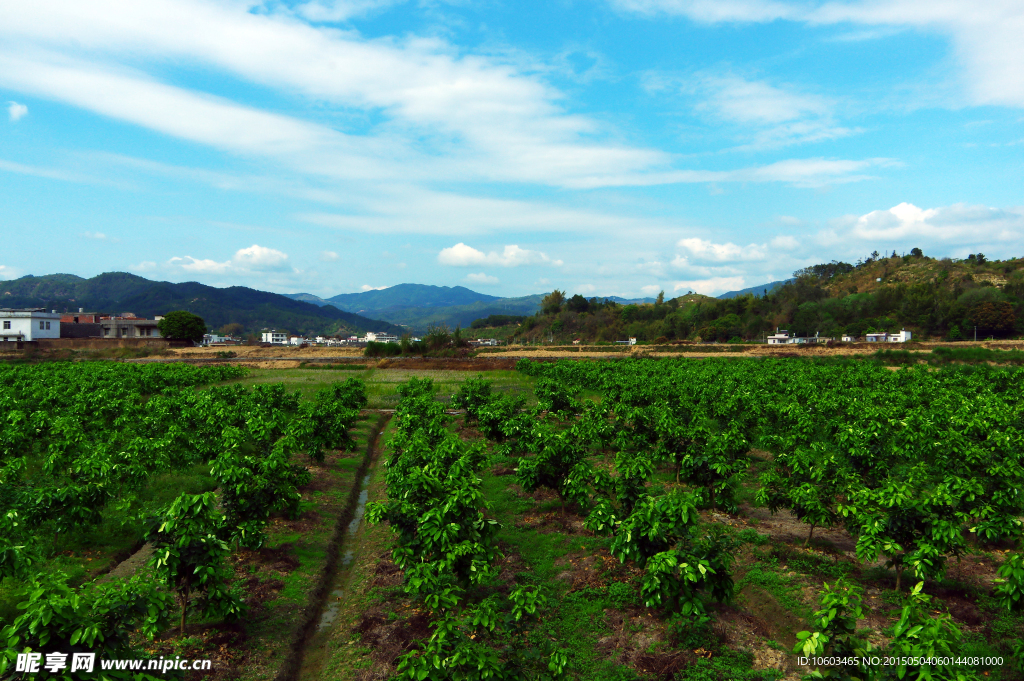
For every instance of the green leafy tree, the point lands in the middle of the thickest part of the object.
(473, 395)
(663, 536)
(188, 556)
(94, 618)
(808, 481)
(552, 303)
(993, 317)
(926, 634)
(182, 325)
(837, 634)
(17, 550)
(1010, 583)
(488, 642)
(438, 337)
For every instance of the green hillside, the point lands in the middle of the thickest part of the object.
(118, 292)
(933, 298)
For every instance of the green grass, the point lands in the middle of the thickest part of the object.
(382, 384)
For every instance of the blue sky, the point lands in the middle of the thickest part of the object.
(615, 147)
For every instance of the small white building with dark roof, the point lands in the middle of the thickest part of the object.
(28, 324)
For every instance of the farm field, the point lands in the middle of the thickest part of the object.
(694, 520)
(382, 384)
(628, 519)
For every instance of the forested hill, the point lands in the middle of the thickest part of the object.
(119, 292)
(938, 298)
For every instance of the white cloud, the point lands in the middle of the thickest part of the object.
(481, 279)
(727, 252)
(461, 255)
(328, 256)
(16, 111)
(144, 266)
(710, 286)
(204, 266)
(959, 223)
(367, 287)
(7, 272)
(258, 257)
(249, 260)
(986, 36)
(585, 288)
(652, 290)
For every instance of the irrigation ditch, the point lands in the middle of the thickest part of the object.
(339, 556)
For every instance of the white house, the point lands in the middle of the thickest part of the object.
(297, 340)
(901, 337)
(214, 339)
(849, 339)
(372, 337)
(876, 337)
(275, 337)
(28, 324)
(779, 337)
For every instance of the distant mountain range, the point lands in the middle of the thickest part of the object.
(756, 290)
(117, 292)
(419, 306)
(398, 309)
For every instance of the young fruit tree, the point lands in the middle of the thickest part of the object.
(188, 556)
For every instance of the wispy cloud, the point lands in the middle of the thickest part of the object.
(99, 236)
(986, 37)
(481, 279)
(727, 252)
(711, 286)
(15, 111)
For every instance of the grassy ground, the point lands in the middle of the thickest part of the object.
(381, 384)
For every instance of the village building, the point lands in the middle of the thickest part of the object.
(28, 324)
(275, 337)
(129, 326)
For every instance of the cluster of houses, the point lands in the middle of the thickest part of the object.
(36, 323)
(783, 337)
(275, 337)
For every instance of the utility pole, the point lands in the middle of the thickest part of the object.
(975, 334)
